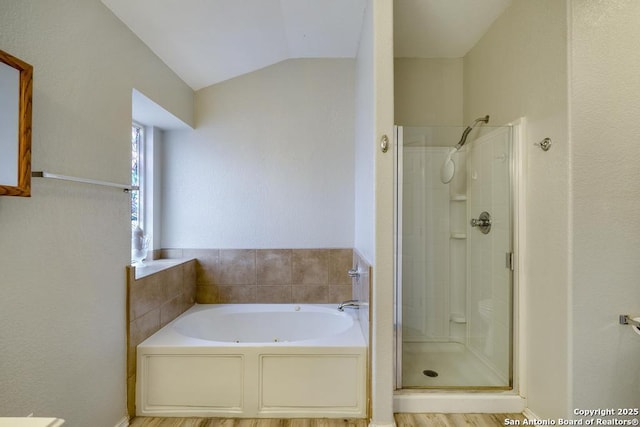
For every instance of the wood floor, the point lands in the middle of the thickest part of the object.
(402, 420)
(243, 422)
(454, 420)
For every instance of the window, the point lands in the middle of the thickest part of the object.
(139, 240)
(137, 173)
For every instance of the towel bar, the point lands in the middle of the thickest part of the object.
(625, 319)
(43, 174)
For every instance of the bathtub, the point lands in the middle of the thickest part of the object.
(254, 360)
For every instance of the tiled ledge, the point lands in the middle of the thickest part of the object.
(151, 267)
(157, 292)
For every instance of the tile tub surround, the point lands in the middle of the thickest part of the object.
(152, 302)
(362, 292)
(270, 275)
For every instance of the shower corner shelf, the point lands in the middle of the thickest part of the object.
(458, 318)
(458, 197)
(458, 235)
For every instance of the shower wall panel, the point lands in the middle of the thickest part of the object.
(458, 250)
(425, 244)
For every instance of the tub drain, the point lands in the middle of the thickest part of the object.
(430, 373)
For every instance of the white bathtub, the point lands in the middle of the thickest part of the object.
(254, 360)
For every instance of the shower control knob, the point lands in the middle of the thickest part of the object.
(483, 222)
(480, 222)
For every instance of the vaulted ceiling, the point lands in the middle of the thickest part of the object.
(209, 41)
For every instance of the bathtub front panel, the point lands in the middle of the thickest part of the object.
(183, 376)
(289, 382)
(331, 383)
(198, 381)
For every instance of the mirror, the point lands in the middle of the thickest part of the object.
(16, 82)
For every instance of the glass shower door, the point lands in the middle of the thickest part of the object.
(454, 245)
(490, 257)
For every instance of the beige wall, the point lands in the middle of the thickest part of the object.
(363, 135)
(382, 292)
(428, 91)
(605, 160)
(63, 251)
(374, 195)
(519, 69)
(270, 164)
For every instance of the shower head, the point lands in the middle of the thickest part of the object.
(448, 168)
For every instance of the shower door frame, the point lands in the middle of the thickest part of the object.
(398, 134)
(518, 343)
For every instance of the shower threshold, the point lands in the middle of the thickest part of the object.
(458, 402)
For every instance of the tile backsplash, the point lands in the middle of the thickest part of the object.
(270, 275)
(362, 292)
(152, 302)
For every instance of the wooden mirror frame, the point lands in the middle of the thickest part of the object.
(24, 127)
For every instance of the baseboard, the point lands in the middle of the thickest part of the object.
(529, 414)
(371, 424)
(124, 422)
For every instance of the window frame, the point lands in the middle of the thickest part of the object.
(140, 221)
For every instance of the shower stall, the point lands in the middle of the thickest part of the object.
(454, 257)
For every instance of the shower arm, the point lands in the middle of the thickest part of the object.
(463, 139)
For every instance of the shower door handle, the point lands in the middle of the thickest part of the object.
(483, 222)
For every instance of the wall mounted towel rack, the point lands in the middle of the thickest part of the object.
(625, 319)
(43, 174)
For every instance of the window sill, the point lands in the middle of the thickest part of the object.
(151, 267)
